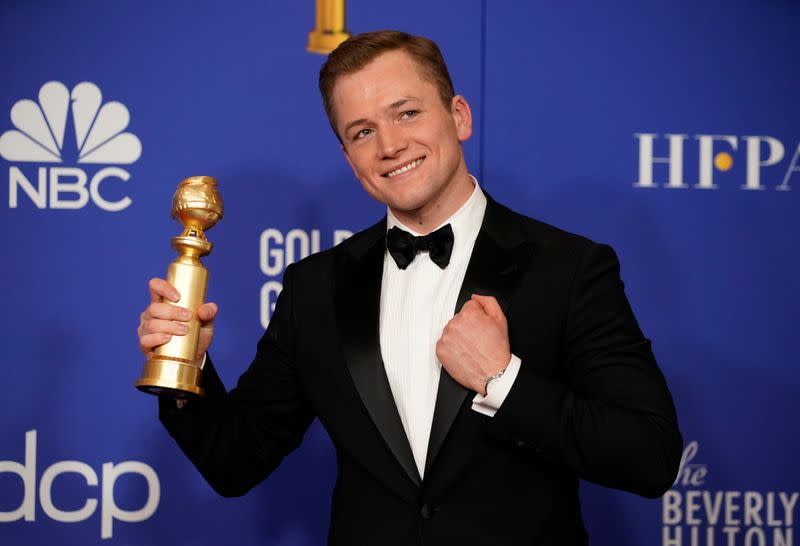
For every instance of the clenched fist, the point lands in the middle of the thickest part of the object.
(474, 343)
(162, 320)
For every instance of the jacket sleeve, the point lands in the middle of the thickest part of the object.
(612, 421)
(237, 438)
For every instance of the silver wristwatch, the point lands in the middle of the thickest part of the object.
(491, 378)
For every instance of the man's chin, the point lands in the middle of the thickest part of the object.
(410, 214)
(407, 205)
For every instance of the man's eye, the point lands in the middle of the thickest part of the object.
(408, 114)
(362, 133)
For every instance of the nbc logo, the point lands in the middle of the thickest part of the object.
(41, 136)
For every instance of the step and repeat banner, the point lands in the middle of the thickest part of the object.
(669, 130)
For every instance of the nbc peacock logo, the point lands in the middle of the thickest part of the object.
(98, 137)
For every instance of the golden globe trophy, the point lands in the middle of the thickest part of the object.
(173, 369)
(329, 30)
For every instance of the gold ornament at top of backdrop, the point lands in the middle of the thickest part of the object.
(329, 31)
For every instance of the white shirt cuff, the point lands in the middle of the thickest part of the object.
(497, 390)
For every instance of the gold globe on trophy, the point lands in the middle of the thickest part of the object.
(173, 369)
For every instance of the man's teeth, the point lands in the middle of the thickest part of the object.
(406, 168)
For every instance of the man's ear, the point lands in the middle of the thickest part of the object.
(462, 116)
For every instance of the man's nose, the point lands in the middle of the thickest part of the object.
(391, 141)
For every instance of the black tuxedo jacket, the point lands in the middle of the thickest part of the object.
(589, 400)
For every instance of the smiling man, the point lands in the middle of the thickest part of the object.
(469, 364)
(402, 139)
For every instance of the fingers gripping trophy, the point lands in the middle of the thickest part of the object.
(173, 367)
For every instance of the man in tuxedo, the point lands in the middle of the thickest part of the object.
(469, 364)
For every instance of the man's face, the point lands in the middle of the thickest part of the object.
(401, 141)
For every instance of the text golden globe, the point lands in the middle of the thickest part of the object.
(173, 369)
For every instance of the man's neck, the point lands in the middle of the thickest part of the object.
(433, 214)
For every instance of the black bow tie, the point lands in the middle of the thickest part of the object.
(404, 247)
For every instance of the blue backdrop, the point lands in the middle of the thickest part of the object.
(669, 130)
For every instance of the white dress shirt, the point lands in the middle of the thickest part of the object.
(416, 305)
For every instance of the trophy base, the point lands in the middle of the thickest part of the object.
(320, 41)
(165, 376)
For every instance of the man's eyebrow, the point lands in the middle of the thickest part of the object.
(398, 103)
(352, 124)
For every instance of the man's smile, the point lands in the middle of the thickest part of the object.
(404, 167)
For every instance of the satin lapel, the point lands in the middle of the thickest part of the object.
(498, 260)
(358, 293)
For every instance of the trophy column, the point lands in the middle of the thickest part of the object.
(173, 369)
